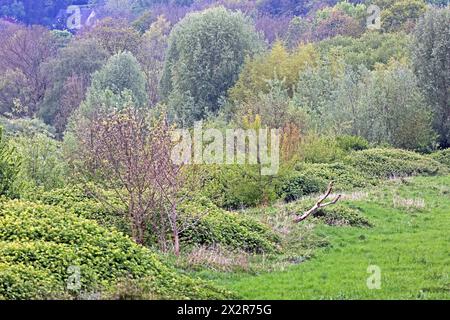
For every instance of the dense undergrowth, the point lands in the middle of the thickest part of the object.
(40, 243)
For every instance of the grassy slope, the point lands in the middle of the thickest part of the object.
(411, 246)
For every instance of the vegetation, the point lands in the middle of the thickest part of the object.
(410, 258)
(145, 144)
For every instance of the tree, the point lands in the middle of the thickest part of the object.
(371, 104)
(152, 53)
(337, 23)
(431, 60)
(10, 163)
(126, 151)
(205, 55)
(369, 49)
(389, 115)
(118, 80)
(401, 15)
(70, 76)
(114, 35)
(277, 63)
(23, 50)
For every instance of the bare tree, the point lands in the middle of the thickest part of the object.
(127, 152)
(319, 204)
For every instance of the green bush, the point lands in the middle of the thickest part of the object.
(345, 177)
(386, 163)
(321, 150)
(237, 186)
(83, 203)
(46, 240)
(9, 166)
(212, 225)
(300, 184)
(352, 143)
(442, 156)
(19, 282)
(335, 215)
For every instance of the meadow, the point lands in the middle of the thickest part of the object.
(409, 243)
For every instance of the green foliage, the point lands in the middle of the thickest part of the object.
(431, 60)
(352, 143)
(238, 186)
(25, 126)
(442, 156)
(278, 63)
(79, 60)
(324, 149)
(22, 282)
(205, 54)
(42, 164)
(385, 163)
(340, 214)
(371, 104)
(120, 74)
(400, 15)
(368, 50)
(345, 177)
(49, 240)
(9, 166)
(299, 185)
(212, 225)
(78, 200)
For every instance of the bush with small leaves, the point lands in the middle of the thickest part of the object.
(386, 163)
(212, 225)
(46, 241)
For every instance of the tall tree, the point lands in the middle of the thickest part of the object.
(206, 52)
(152, 53)
(70, 76)
(23, 50)
(119, 80)
(431, 57)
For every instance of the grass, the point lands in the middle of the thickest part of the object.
(409, 243)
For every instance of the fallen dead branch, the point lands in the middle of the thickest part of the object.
(319, 204)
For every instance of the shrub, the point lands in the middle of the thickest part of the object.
(46, 240)
(41, 165)
(345, 176)
(341, 215)
(352, 143)
(9, 166)
(317, 149)
(236, 186)
(300, 184)
(18, 282)
(385, 163)
(442, 156)
(212, 225)
(81, 202)
(336, 215)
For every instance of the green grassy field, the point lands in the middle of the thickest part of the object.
(409, 242)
